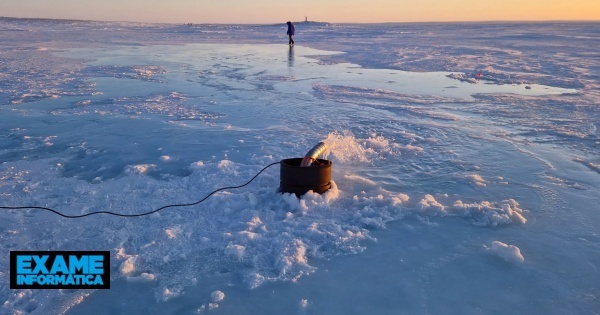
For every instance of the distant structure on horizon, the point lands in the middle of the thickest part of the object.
(306, 19)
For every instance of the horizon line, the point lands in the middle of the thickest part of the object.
(302, 21)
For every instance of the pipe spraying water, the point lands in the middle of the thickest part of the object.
(313, 154)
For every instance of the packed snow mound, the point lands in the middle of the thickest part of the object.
(483, 213)
(217, 296)
(510, 253)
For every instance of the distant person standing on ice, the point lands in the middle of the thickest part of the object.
(291, 30)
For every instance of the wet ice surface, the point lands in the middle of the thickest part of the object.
(454, 192)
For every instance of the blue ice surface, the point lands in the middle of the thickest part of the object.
(134, 125)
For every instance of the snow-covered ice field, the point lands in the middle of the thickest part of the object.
(466, 165)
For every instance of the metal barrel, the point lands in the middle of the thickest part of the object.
(299, 180)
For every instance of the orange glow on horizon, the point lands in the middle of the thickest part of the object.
(337, 11)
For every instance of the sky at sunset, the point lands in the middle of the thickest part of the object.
(274, 11)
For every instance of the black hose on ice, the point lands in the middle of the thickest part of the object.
(140, 214)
